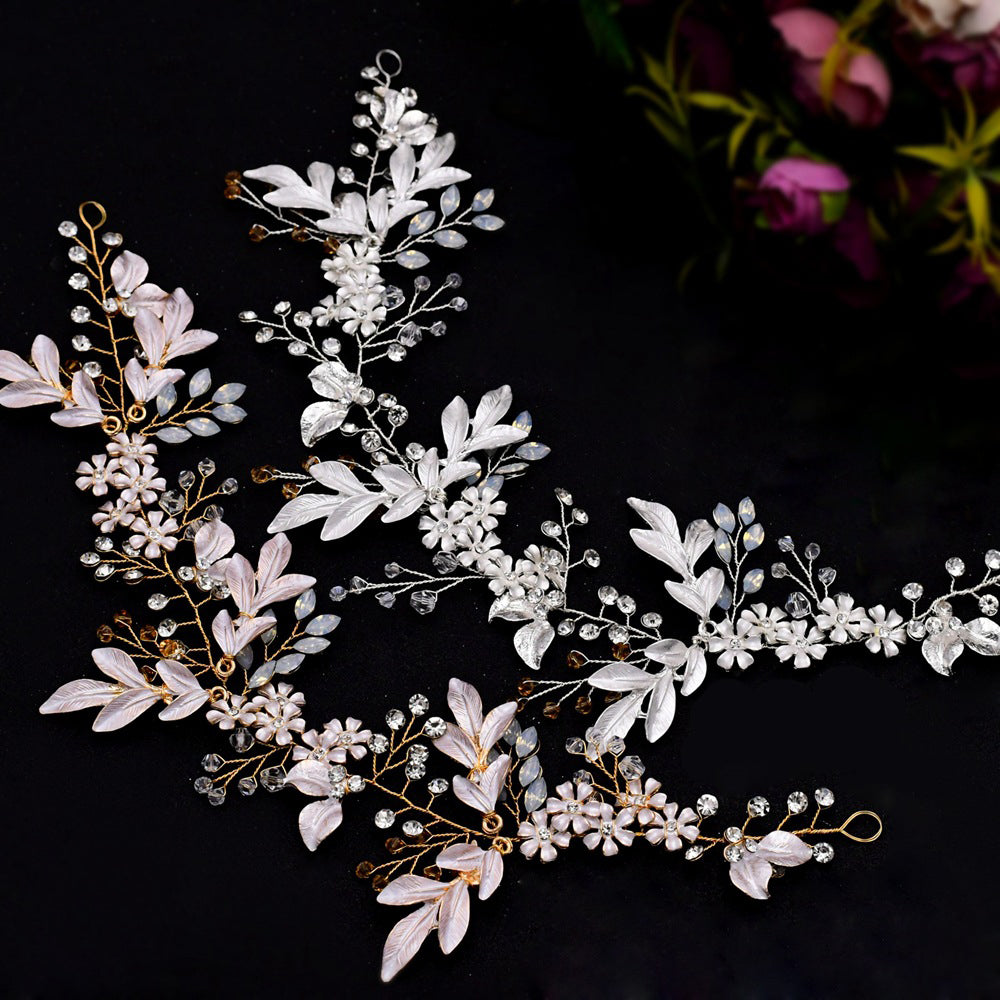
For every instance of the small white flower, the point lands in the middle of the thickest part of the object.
(840, 618)
(227, 712)
(110, 515)
(442, 525)
(607, 827)
(537, 837)
(401, 124)
(278, 722)
(155, 533)
(764, 623)
(643, 800)
(668, 828)
(136, 447)
(480, 506)
(885, 629)
(545, 565)
(503, 577)
(477, 546)
(362, 313)
(326, 312)
(349, 739)
(95, 474)
(575, 808)
(735, 645)
(796, 642)
(139, 482)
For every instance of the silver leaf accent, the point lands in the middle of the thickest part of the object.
(982, 636)
(532, 640)
(319, 419)
(942, 650)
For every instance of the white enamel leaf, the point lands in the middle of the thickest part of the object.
(621, 677)
(409, 889)
(750, 875)
(318, 820)
(942, 650)
(663, 542)
(491, 874)
(457, 745)
(187, 704)
(118, 665)
(697, 668)
(122, 710)
(496, 723)
(618, 718)
(460, 857)
(453, 919)
(783, 848)
(310, 777)
(75, 695)
(405, 939)
(532, 640)
(669, 652)
(465, 705)
(662, 705)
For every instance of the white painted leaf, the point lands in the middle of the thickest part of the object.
(73, 696)
(122, 710)
(942, 650)
(453, 919)
(750, 875)
(662, 705)
(663, 542)
(669, 652)
(697, 668)
(783, 848)
(491, 873)
(118, 665)
(621, 677)
(318, 820)
(409, 889)
(310, 777)
(496, 723)
(465, 705)
(532, 640)
(618, 718)
(187, 704)
(405, 939)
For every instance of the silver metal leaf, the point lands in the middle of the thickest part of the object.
(421, 222)
(229, 413)
(982, 636)
(202, 426)
(450, 238)
(311, 644)
(229, 392)
(535, 795)
(482, 200)
(532, 640)
(289, 664)
(173, 435)
(412, 259)
(166, 399)
(323, 624)
(305, 604)
(201, 382)
(488, 222)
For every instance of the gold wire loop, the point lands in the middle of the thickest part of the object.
(136, 412)
(492, 823)
(503, 844)
(850, 819)
(100, 211)
(217, 693)
(111, 425)
(225, 667)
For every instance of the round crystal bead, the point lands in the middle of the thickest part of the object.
(955, 566)
(823, 852)
(758, 806)
(79, 314)
(708, 805)
(394, 718)
(824, 797)
(384, 818)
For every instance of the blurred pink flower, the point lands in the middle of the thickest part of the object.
(861, 88)
(852, 237)
(790, 194)
(954, 64)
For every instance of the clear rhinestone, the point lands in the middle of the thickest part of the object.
(916, 629)
(993, 559)
(273, 779)
(263, 335)
(592, 558)
(435, 727)
(415, 451)
(111, 239)
(989, 604)
(797, 604)
(92, 368)
(581, 516)
(733, 853)
(384, 818)
(589, 631)
(607, 595)
(67, 228)
(211, 762)
(104, 544)
(616, 745)
(77, 254)
(394, 718)
(733, 834)
(955, 566)
(651, 620)
(387, 598)
(626, 605)
(78, 280)
(583, 777)
(779, 570)
(437, 786)
(566, 627)
(419, 704)
(203, 785)
(822, 852)
(824, 797)
(758, 806)
(812, 551)
(378, 742)
(412, 828)
(708, 805)
(913, 591)
(618, 633)
(246, 786)
(798, 802)
(564, 496)
(157, 602)
(694, 852)
(355, 783)
(90, 558)
(551, 529)
(415, 770)
(934, 625)
(79, 314)
(631, 767)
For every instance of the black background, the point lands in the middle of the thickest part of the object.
(867, 432)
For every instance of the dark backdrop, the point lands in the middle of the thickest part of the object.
(864, 432)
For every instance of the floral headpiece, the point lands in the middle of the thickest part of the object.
(224, 635)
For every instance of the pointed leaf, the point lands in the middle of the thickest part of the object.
(532, 640)
(318, 820)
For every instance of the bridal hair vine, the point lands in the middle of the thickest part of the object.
(458, 800)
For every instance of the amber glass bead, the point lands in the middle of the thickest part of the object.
(233, 177)
(258, 233)
(105, 633)
(612, 696)
(379, 882)
(331, 245)
(575, 659)
(551, 710)
(432, 871)
(300, 234)
(232, 192)
(364, 869)
(147, 633)
(620, 650)
(584, 705)
(394, 845)
(169, 647)
(72, 365)
(123, 618)
(348, 460)
(290, 490)
(259, 474)
(149, 673)
(309, 461)
(526, 686)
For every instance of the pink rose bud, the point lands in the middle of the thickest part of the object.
(860, 88)
(801, 196)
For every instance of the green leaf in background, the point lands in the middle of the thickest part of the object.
(606, 33)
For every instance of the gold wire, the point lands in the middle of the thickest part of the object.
(83, 214)
(850, 819)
